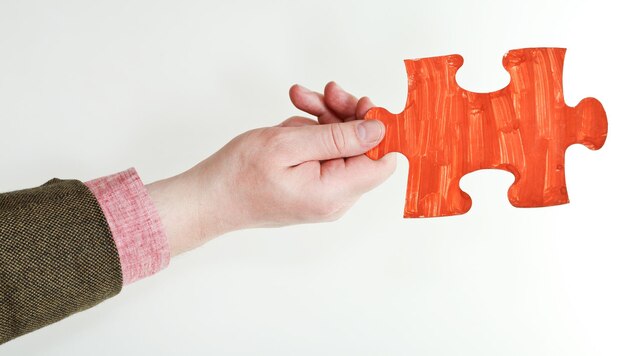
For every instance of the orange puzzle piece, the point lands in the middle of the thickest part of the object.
(446, 131)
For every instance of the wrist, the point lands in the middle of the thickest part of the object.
(174, 202)
(192, 209)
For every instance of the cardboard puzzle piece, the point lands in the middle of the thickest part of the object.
(446, 131)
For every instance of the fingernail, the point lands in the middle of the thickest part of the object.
(370, 131)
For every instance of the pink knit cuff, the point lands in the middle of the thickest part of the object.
(134, 222)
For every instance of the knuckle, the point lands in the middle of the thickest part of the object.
(290, 121)
(276, 139)
(265, 135)
(337, 138)
(295, 121)
(278, 144)
(332, 214)
(326, 209)
(270, 140)
(254, 146)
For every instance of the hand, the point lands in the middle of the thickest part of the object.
(299, 171)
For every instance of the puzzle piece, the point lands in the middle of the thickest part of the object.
(446, 131)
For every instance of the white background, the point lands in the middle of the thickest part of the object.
(92, 88)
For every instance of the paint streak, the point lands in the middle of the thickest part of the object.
(446, 131)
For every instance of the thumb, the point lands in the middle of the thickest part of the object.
(336, 140)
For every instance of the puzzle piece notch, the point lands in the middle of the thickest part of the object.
(446, 131)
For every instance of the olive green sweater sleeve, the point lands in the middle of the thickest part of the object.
(57, 256)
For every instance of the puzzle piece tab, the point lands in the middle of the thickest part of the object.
(446, 131)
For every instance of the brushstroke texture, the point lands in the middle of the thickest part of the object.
(446, 131)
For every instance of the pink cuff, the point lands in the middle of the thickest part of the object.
(134, 222)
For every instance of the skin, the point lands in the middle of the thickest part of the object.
(300, 171)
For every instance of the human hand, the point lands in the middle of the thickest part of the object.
(300, 171)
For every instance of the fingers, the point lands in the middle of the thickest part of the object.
(358, 174)
(325, 142)
(335, 105)
(312, 103)
(342, 103)
(362, 107)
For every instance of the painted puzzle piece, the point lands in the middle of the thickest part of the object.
(446, 131)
